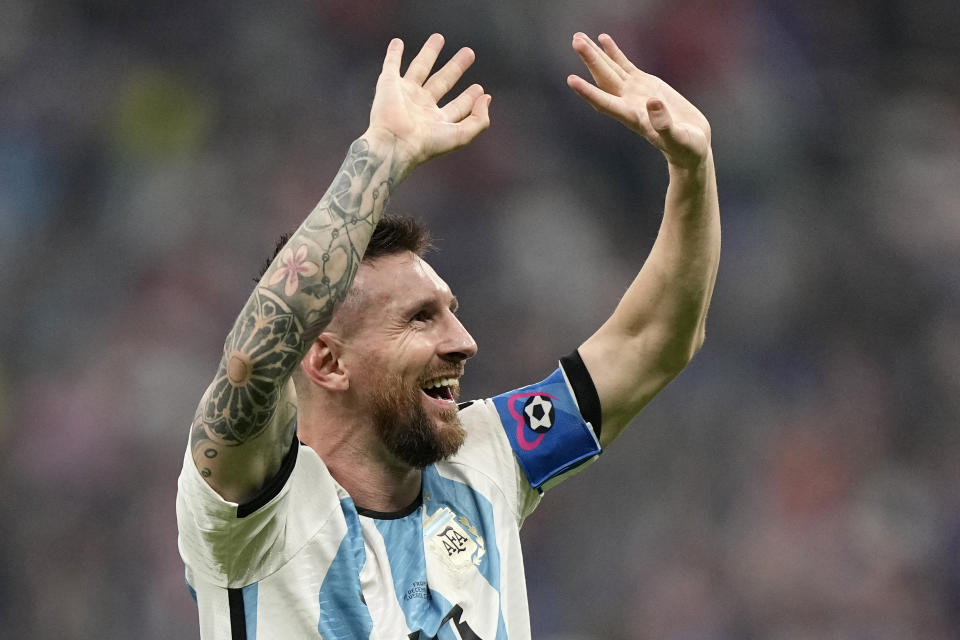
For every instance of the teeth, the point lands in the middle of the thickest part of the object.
(442, 382)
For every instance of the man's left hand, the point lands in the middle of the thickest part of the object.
(642, 102)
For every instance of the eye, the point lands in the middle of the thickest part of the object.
(421, 316)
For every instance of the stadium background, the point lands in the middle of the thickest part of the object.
(801, 479)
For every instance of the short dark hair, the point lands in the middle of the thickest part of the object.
(396, 234)
(393, 234)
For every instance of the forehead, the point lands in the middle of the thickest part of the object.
(394, 282)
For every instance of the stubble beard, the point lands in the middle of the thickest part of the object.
(408, 432)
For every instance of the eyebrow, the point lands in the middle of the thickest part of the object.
(427, 302)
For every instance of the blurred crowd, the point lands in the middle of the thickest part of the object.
(800, 480)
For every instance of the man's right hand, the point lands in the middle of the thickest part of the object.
(406, 112)
(247, 418)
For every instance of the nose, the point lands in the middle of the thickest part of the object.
(458, 345)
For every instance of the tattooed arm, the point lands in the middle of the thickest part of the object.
(659, 323)
(246, 420)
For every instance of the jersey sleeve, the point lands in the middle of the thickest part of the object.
(553, 426)
(234, 545)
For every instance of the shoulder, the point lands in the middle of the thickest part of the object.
(270, 529)
(484, 431)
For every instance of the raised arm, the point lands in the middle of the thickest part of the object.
(659, 323)
(245, 422)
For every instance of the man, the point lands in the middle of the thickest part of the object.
(332, 487)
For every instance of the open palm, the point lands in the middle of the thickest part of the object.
(642, 102)
(406, 106)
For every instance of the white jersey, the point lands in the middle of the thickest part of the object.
(302, 561)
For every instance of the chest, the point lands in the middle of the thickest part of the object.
(439, 565)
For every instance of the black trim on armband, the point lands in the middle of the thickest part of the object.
(273, 486)
(583, 389)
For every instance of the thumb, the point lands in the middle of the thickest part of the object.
(478, 120)
(674, 138)
(660, 118)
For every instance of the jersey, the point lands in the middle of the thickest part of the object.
(303, 561)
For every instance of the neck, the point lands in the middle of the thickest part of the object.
(358, 461)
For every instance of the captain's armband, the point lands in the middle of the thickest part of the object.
(551, 433)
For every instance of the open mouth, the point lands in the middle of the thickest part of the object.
(442, 389)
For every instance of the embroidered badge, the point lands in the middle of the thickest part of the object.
(453, 540)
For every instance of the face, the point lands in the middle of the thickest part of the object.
(406, 356)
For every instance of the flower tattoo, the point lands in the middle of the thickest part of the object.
(292, 266)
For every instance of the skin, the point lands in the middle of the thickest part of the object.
(402, 329)
(660, 321)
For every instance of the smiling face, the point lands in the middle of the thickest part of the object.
(405, 349)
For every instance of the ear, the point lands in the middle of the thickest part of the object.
(322, 364)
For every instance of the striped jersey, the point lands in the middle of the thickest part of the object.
(303, 561)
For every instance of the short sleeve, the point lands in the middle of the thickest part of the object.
(235, 545)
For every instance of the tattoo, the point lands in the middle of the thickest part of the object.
(346, 224)
(321, 259)
(293, 303)
(260, 352)
(344, 196)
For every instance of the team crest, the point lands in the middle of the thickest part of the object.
(453, 540)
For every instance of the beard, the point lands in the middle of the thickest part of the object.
(408, 432)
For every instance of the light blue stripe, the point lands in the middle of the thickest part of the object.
(249, 593)
(193, 592)
(434, 630)
(467, 502)
(403, 539)
(343, 612)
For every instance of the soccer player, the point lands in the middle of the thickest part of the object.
(332, 486)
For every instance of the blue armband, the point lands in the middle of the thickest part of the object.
(548, 434)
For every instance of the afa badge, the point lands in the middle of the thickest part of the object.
(453, 540)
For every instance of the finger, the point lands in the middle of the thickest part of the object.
(421, 65)
(443, 80)
(612, 50)
(594, 96)
(461, 106)
(475, 123)
(604, 56)
(605, 72)
(391, 61)
(660, 118)
(672, 136)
